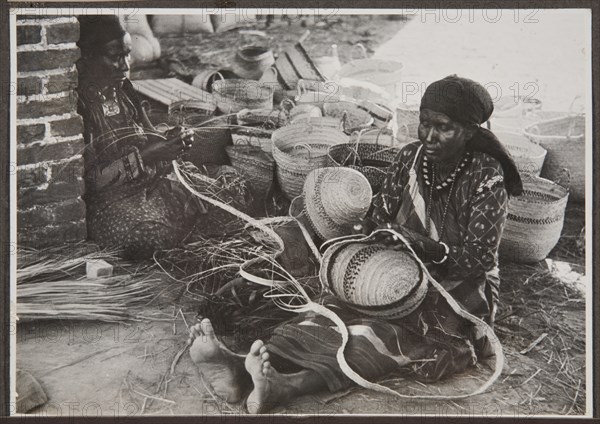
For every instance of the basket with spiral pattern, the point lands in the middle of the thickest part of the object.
(535, 220)
(298, 149)
(335, 199)
(373, 279)
(366, 155)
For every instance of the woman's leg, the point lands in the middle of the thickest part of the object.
(272, 388)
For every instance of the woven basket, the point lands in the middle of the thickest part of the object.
(383, 73)
(535, 220)
(335, 199)
(365, 155)
(373, 279)
(300, 148)
(408, 117)
(257, 137)
(528, 156)
(254, 164)
(209, 145)
(520, 122)
(189, 112)
(564, 139)
(234, 95)
(356, 118)
(267, 118)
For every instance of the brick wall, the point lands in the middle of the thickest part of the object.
(49, 133)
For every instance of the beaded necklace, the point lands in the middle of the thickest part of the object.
(449, 181)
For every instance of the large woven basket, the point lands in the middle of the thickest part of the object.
(373, 279)
(234, 95)
(564, 139)
(209, 145)
(254, 164)
(335, 199)
(408, 117)
(383, 73)
(298, 149)
(365, 154)
(355, 117)
(535, 220)
(528, 156)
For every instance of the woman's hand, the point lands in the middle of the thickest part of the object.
(425, 247)
(178, 140)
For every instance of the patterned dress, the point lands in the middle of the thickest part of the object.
(433, 342)
(131, 205)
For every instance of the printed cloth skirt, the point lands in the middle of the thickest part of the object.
(430, 344)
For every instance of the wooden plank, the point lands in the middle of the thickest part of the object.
(147, 90)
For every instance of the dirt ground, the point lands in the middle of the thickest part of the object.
(93, 368)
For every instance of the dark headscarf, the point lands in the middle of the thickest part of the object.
(97, 30)
(468, 102)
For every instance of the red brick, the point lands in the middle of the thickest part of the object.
(55, 192)
(41, 237)
(29, 34)
(62, 33)
(67, 127)
(63, 82)
(29, 133)
(29, 85)
(46, 59)
(68, 172)
(49, 152)
(32, 176)
(52, 213)
(38, 109)
(52, 193)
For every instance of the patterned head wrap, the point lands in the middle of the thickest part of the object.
(469, 103)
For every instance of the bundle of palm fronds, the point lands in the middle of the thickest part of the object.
(52, 284)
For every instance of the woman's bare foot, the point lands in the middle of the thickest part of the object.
(270, 387)
(221, 368)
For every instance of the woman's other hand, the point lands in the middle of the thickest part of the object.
(177, 141)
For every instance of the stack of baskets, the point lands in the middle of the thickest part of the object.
(535, 220)
(564, 139)
(298, 149)
(371, 153)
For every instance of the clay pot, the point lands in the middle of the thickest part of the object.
(250, 62)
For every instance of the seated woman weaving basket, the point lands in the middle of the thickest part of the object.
(446, 195)
(130, 203)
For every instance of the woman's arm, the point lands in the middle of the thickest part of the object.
(478, 253)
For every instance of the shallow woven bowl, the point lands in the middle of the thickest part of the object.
(374, 279)
(335, 199)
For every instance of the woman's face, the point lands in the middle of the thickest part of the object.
(443, 139)
(111, 65)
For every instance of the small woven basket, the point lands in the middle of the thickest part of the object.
(366, 155)
(254, 164)
(253, 136)
(335, 199)
(356, 118)
(535, 220)
(189, 113)
(298, 149)
(373, 279)
(528, 156)
(234, 95)
(564, 139)
(209, 145)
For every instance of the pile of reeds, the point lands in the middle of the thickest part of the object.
(52, 284)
